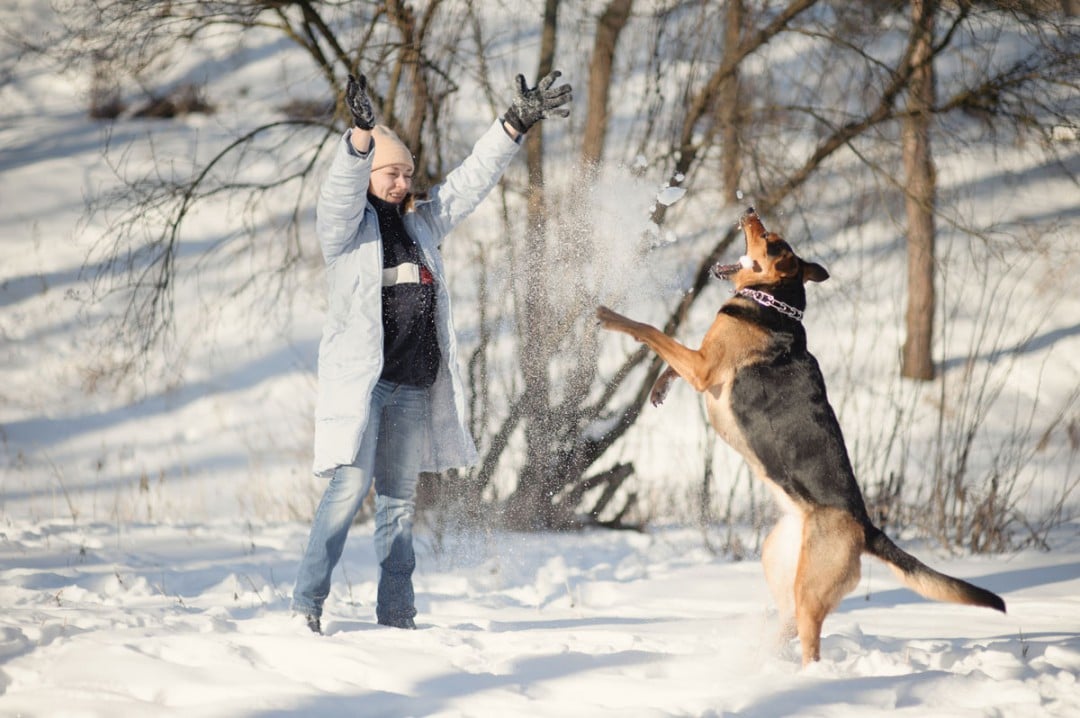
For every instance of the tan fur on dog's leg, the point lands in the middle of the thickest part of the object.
(688, 363)
(779, 558)
(727, 345)
(829, 569)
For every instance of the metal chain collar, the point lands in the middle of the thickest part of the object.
(768, 300)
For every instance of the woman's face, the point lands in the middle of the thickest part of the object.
(391, 183)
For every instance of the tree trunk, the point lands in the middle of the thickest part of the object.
(610, 25)
(529, 507)
(730, 105)
(917, 359)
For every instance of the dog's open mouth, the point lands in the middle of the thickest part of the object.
(725, 271)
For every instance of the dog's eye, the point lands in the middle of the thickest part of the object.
(778, 247)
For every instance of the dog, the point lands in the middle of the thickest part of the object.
(765, 396)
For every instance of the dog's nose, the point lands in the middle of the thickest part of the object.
(746, 216)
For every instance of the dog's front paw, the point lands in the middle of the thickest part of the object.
(661, 387)
(606, 317)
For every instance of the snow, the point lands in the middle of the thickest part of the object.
(178, 620)
(670, 195)
(149, 535)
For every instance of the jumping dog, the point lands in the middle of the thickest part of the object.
(765, 396)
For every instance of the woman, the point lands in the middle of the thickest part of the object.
(390, 400)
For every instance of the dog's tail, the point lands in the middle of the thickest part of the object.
(924, 580)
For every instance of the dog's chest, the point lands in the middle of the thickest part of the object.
(718, 407)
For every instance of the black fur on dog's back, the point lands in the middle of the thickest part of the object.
(784, 412)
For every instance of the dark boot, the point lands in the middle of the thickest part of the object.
(395, 601)
(314, 624)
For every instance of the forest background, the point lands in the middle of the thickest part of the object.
(893, 142)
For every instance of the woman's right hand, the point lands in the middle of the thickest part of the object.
(356, 97)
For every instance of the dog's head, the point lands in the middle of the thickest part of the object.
(769, 259)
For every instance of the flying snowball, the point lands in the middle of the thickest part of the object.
(670, 195)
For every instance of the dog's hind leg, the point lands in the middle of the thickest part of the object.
(779, 558)
(829, 569)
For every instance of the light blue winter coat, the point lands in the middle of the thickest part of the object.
(350, 353)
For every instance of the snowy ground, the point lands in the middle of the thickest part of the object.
(170, 620)
(149, 537)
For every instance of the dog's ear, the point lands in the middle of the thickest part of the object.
(814, 272)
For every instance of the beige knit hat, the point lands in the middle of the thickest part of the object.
(389, 149)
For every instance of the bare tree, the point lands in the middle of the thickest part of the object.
(993, 95)
(609, 26)
(719, 110)
(731, 102)
(916, 359)
(408, 55)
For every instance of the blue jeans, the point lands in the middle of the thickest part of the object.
(394, 441)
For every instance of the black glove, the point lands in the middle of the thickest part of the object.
(532, 105)
(359, 103)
